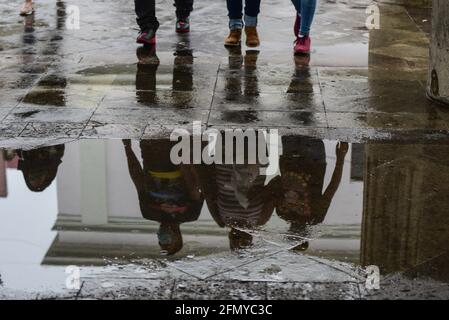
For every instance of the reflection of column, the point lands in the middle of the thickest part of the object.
(94, 209)
(405, 221)
(3, 185)
(438, 86)
(82, 184)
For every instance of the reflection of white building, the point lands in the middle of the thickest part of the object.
(99, 214)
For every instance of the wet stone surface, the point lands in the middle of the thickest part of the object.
(97, 79)
(362, 179)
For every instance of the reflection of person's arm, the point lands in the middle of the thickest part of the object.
(342, 149)
(208, 185)
(134, 167)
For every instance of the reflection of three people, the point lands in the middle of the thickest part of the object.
(235, 194)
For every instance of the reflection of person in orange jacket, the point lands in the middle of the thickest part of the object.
(39, 166)
(168, 193)
(237, 198)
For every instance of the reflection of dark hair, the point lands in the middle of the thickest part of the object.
(239, 239)
(170, 238)
(40, 166)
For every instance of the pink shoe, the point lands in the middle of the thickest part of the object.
(302, 45)
(297, 25)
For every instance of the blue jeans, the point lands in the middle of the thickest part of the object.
(306, 9)
(235, 10)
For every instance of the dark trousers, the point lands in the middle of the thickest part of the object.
(146, 12)
(235, 8)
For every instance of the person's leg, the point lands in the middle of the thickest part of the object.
(297, 4)
(183, 10)
(303, 42)
(235, 8)
(147, 21)
(146, 15)
(307, 12)
(252, 9)
(27, 8)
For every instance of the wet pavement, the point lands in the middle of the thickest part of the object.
(362, 175)
(95, 82)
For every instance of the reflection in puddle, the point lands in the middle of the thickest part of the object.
(101, 202)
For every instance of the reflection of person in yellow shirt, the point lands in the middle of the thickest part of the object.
(167, 193)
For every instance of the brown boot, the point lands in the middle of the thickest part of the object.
(234, 38)
(252, 38)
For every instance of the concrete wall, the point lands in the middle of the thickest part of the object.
(438, 83)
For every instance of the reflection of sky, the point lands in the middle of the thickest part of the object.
(347, 205)
(25, 235)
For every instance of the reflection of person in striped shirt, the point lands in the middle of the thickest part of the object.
(237, 198)
(167, 193)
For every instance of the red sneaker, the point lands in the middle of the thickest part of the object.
(302, 45)
(147, 37)
(297, 25)
(183, 25)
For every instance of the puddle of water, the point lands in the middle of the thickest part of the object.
(103, 202)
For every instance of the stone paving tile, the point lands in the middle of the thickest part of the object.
(120, 131)
(267, 84)
(10, 130)
(313, 291)
(59, 98)
(153, 116)
(159, 99)
(27, 143)
(269, 102)
(150, 77)
(11, 98)
(207, 267)
(219, 290)
(17, 81)
(386, 121)
(49, 114)
(52, 130)
(291, 267)
(4, 112)
(163, 131)
(255, 118)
